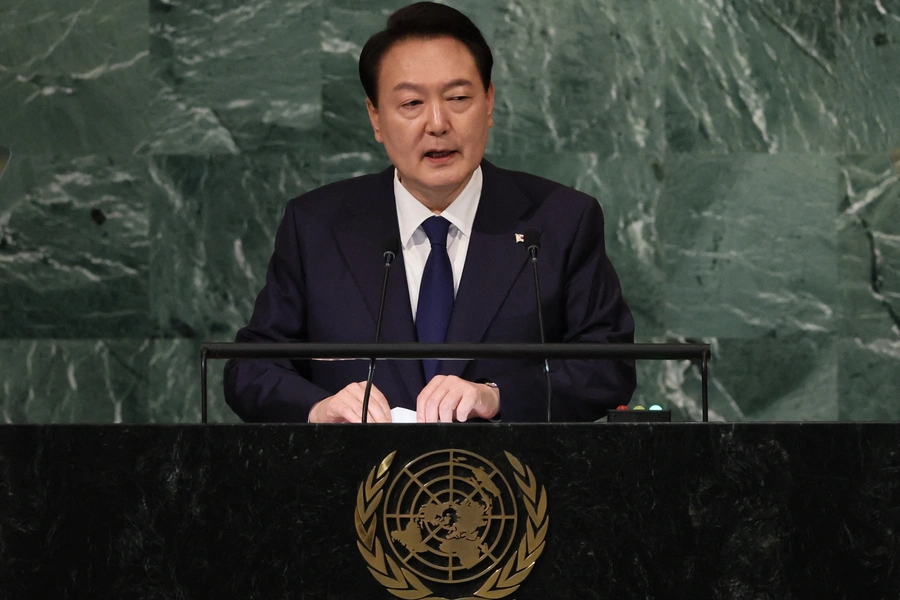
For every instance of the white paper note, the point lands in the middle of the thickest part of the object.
(403, 415)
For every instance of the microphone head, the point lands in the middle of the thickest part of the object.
(391, 247)
(532, 240)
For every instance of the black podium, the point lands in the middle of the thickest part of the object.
(612, 511)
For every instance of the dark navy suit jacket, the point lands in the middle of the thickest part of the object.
(324, 283)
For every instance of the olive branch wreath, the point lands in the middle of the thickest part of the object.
(402, 583)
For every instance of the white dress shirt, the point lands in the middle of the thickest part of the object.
(414, 243)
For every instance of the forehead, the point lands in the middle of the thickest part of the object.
(421, 60)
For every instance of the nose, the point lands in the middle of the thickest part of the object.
(437, 123)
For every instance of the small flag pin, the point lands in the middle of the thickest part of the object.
(520, 238)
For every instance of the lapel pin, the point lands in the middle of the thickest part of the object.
(520, 238)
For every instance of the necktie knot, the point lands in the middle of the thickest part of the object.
(436, 228)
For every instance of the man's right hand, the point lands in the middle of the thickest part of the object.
(346, 406)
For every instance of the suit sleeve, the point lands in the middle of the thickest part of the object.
(276, 390)
(592, 311)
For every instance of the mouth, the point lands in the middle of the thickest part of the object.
(437, 155)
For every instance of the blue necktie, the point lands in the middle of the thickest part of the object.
(436, 291)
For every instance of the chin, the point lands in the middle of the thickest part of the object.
(449, 177)
(446, 183)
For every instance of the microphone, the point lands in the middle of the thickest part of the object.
(532, 245)
(391, 246)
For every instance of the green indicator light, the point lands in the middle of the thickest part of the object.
(656, 407)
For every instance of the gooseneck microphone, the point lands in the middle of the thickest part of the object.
(532, 245)
(391, 246)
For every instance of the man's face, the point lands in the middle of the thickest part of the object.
(433, 116)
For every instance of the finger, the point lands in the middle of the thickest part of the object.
(422, 399)
(433, 405)
(379, 407)
(425, 414)
(448, 405)
(340, 409)
(357, 389)
(422, 405)
(354, 404)
(464, 408)
(375, 414)
(431, 386)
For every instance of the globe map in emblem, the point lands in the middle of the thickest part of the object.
(450, 516)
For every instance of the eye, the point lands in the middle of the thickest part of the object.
(411, 104)
(459, 98)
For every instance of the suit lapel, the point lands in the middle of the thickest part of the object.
(493, 262)
(362, 240)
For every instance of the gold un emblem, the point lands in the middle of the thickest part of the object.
(449, 520)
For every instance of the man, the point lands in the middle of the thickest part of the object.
(459, 220)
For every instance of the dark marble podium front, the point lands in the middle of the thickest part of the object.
(636, 511)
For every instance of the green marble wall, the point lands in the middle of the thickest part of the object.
(747, 156)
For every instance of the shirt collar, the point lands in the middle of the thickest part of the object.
(460, 213)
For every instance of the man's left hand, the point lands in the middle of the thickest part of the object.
(447, 398)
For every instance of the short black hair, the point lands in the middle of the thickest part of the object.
(423, 20)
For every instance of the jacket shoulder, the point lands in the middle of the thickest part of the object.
(540, 190)
(336, 198)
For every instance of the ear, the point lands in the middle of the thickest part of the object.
(490, 104)
(373, 119)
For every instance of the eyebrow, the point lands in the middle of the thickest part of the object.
(405, 85)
